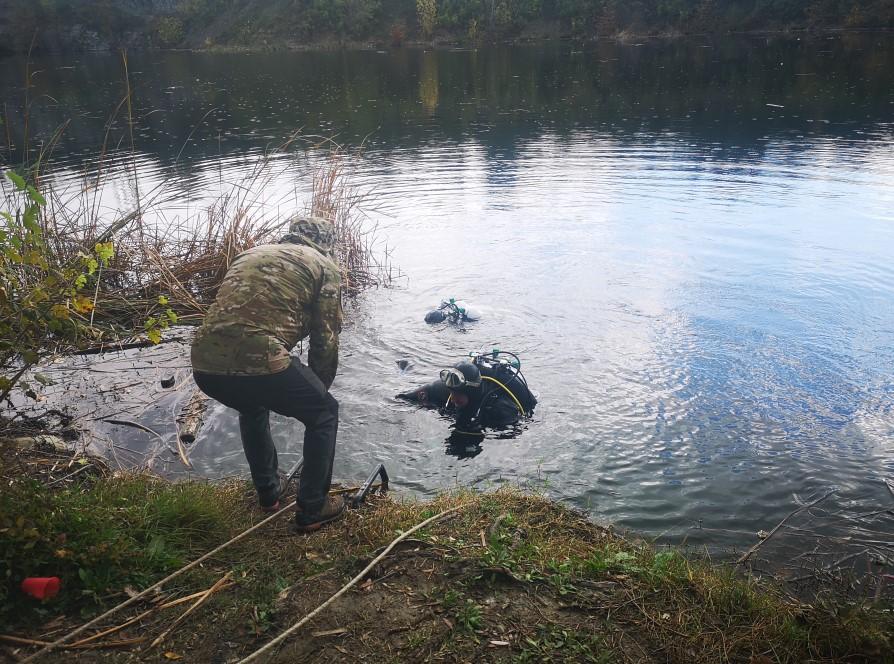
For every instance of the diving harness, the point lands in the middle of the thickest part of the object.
(498, 370)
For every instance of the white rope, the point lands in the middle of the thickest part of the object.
(60, 641)
(282, 637)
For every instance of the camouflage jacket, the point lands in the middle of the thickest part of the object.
(272, 297)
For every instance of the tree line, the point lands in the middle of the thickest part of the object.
(98, 24)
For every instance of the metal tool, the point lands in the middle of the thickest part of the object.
(361, 493)
(294, 471)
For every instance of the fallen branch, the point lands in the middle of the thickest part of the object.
(750, 551)
(70, 475)
(282, 637)
(129, 423)
(112, 630)
(119, 346)
(189, 422)
(166, 605)
(136, 425)
(73, 646)
(204, 598)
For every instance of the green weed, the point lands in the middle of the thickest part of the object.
(558, 644)
(609, 560)
(469, 617)
(499, 555)
(418, 638)
(559, 574)
(121, 532)
(450, 599)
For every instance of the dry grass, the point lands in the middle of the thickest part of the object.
(185, 258)
(337, 199)
(168, 264)
(554, 572)
(541, 581)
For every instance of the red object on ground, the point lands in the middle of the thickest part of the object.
(41, 587)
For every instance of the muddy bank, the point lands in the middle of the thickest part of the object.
(506, 576)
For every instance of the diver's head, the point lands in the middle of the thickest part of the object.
(435, 316)
(463, 380)
(313, 231)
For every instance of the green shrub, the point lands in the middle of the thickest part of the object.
(427, 11)
(122, 531)
(44, 301)
(169, 30)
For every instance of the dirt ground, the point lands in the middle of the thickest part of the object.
(507, 577)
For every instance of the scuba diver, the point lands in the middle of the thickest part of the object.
(453, 311)
(486, 391)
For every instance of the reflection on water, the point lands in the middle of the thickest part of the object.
(687, 243)
(428, 83)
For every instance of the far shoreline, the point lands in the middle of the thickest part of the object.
(450, 42)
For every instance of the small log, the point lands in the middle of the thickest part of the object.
(191, 418)
(30, 442)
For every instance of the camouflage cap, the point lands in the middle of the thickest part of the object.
(316, 231)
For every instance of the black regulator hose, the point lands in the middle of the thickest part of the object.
(518, 371)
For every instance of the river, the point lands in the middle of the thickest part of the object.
(688, 242)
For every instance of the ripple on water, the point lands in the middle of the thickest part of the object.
(702, 302)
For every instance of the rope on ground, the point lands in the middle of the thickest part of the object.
(291, 630)
(58, 642)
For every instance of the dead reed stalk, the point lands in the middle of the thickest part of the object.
(184, 258)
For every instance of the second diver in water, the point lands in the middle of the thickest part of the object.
(452, 311)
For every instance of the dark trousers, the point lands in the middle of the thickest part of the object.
(295, 392)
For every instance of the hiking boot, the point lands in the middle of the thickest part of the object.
(268, 507)
(333, 508)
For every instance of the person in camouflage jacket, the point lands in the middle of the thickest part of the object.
(272, 297)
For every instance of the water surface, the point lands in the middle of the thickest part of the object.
(688, 243)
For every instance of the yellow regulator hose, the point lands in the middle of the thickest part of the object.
(508, 391)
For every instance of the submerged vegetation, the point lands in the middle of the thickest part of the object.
(61, 24)
(510, 576)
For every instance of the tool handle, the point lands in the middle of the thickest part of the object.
(362, 492)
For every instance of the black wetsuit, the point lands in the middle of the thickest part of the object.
(490, 406)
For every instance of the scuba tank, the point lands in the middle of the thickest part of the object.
(505, 375)
(454, 311)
